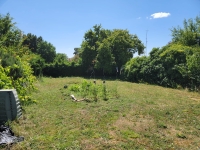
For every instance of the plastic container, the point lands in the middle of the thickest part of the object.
(10, 108)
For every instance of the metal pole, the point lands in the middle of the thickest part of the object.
(146, 42)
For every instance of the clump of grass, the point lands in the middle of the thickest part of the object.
(94, 91)
(181, 135)
(162, 125)
(104, 92)
(129, 134)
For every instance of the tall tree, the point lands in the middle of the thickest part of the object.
(61, 58)
(30, 40)
(47, 51)
(119, 44)
(89, 46)
(104, 59)
(124, 45)
(189, 34)
(10, 35)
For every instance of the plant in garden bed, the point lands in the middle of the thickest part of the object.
(90, 90)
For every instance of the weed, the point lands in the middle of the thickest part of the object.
(129, 134)
(94, 91)
(162, 125)
(181, 135)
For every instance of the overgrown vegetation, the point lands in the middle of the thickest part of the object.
(143, 117)
(175, 65)
(102, 52)
(117, 114)
(15, 71)
(91, 91)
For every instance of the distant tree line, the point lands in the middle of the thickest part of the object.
(102, 51)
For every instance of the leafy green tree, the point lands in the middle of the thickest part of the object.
(132, 69)
(10, 35)
(47, 51)
(37, 64)
(119, 45)
(15, 69)
(61, 58)
(89, 46)
(189, 34)
(173, 58)
(38, 46)
(124, 45)
(105, 59)
(193, 68)
(31, 41)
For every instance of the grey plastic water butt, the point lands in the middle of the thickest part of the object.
(10, 108)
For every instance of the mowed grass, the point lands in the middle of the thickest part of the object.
(136, 116)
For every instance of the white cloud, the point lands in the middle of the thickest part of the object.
(139, 18)
(160, 15)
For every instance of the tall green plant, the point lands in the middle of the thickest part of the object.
(16, 73)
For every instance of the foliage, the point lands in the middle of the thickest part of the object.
(106, 49)
(5, 81)
(174, 65)
(105, 59)
(124, 45)
(189, 34)
(38, 46)
(10, 35)
(171, 66)
(15, 70)
(91, 90)
(63, 70)
(47, 51)
(89, 46)
(16, 73)
(61, 58)
(31, 41)
(37, 64)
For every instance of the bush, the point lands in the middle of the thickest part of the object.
(16, 74)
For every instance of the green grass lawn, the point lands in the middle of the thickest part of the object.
(135, 116)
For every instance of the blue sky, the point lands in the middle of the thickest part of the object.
(64, 22)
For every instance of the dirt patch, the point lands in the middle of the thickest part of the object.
(178, 139)
(137, 123)
(195, 99)
(99, 143)
(184, 143)
(143, 124)
(87, 145)
(123, 123)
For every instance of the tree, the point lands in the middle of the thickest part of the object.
(189, 34)
(193, 68)
(37, 64)
(31, 41)
(61, 58)
(77, 51)
(105, 59)
(89, 46)
(38, 46)
(47, 51)
(119, 44)
(124, 45)
(10, 35)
